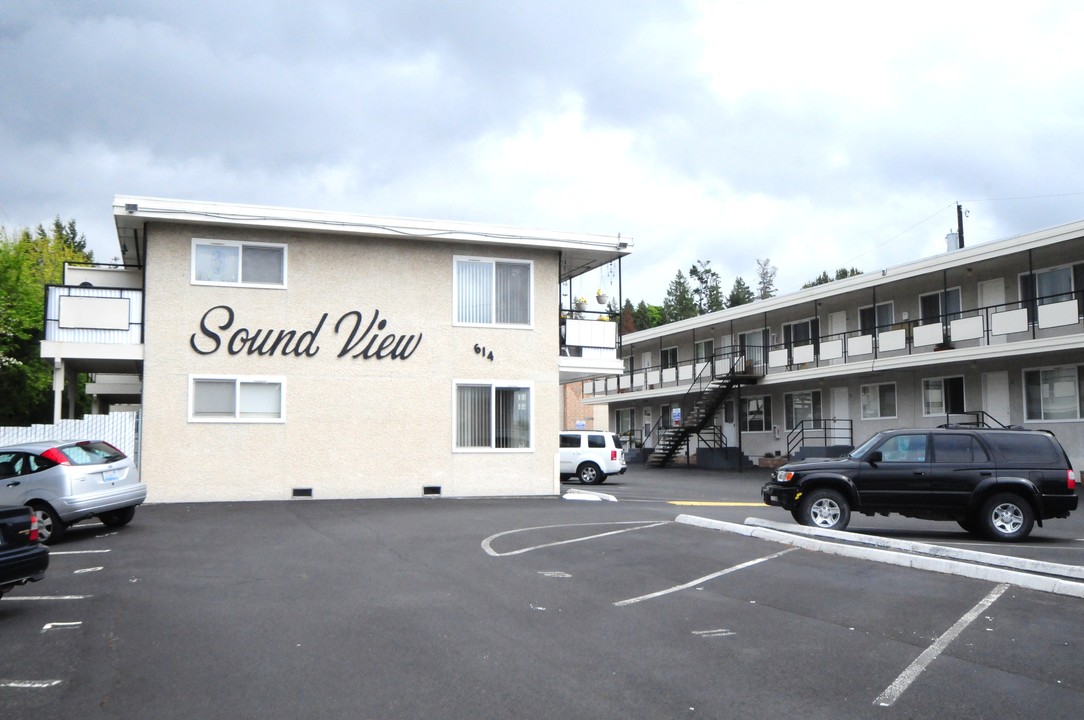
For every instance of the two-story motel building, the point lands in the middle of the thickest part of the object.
(991, 334)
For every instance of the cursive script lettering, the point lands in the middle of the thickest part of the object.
(371, 343)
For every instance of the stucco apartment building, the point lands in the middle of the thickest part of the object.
(282, 353)
(990, 334)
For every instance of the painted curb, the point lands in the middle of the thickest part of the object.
(947, 566)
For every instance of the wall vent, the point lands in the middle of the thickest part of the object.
(431, 490)
(302, 492)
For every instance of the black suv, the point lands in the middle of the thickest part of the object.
(994, 482)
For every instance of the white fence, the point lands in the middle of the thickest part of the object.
(120, 429)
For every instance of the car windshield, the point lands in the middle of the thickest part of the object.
(864, 447)
(92, 453)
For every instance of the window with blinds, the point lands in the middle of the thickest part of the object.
(492, 292)
(236, 399)
(492, 417)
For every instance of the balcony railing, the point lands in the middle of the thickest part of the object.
(1006, 323)
(93, 315)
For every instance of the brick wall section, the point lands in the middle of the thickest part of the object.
(574, 409)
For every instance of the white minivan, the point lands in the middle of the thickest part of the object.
(591, 455)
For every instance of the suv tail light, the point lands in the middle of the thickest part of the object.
(33, 526)
(613, 455)
(1071, 477)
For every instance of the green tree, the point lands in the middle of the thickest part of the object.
(28, 262)
(647, 316)
(678, 303)
(708, 290)
(824, 277)
(766, 279)
(740, 294)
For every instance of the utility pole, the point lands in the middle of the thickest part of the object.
(960, 225)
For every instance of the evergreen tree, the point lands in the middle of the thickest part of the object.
(708, 291)
(740, 294)
(679, 303)
(647, 316)
(627, 323)
(766, 279)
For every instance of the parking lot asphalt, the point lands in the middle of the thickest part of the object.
(529, 608)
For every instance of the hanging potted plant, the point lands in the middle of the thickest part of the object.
(581, 304)
(602, 297)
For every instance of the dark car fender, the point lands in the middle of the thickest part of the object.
(1021, 486)
(836, 481)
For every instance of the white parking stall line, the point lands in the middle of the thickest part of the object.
(53, 553)
(41, 598)
(892, 692)
(61, 626)
(29, 684)
(698, 581)
(488, 547)
(83, 571)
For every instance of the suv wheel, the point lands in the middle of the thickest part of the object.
(825, 509)
(1007, 517)
(590, 474)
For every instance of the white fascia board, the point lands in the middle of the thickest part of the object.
(134, 211)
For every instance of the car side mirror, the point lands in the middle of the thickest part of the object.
(875, 457)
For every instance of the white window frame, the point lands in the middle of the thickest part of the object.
(238, 382)
(493, 262)
(664, 357)
(878, 327)
(698, 350)
(240, 245)
(880, 412)
(766, 411)
(1076, 380)
(494, 386)
(928, 387)
(943, 313)
(816, 408)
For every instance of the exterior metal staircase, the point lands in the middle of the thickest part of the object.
(715, 391)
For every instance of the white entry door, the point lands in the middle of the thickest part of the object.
(995, 396)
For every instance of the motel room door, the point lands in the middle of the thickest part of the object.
(995, 395)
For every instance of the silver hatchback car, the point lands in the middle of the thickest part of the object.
(65, 482)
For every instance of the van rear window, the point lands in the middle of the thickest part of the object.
(1029, 447)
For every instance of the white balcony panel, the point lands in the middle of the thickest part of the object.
(626, 382)
(685, 373)
(94, 313)
(892, 340)
(803, 354)
(600, 387)
(1012, 321)
(723, 366)
(1058, 314)
(669, 375)
(588, 389)
(777, 358)
(611, 384)
(966, 329)
(638, 380)
(931, 334)
(860, 345)
(832, 350)
(590, 333)
(652, 377)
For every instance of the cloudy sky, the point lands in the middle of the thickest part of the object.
(817, 135)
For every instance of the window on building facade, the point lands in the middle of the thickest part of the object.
(801, 333)
(668, 357)
(756, 414)
(1054, 393)
(1051, 286)
(703, 350)
(942, 396)
(492, 292)
(753, 346)
(872, 320)
(492, 417)
(938, 306)
(667, 417)
(624, 422)
(878, 401)
(236, 399)
(802, 407)
(226, 262)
